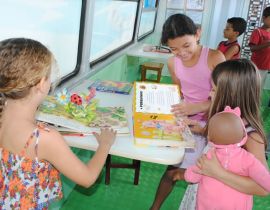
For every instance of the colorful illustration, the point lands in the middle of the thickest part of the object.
(80, 112)
(154, 124)
(112, 86)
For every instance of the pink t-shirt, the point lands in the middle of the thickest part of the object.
(195, 81)
(213, 194)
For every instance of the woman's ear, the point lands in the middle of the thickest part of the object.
(198, 34)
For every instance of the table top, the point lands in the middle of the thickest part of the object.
(137, 51)
(124, 145)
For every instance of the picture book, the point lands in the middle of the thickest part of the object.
(154, 124)
(112, 86)
(73, 113)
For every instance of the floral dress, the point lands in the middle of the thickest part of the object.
(27, 183)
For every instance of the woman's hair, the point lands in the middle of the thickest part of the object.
(238, 85)
(176, 26)
(23, 63)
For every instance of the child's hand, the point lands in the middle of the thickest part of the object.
(183, 109)
(194, 126)
(105, 137)
(210, 166)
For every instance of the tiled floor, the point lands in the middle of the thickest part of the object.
(121, 194)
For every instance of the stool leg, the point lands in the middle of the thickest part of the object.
(108, 170)
(137, 166)
(159, 76)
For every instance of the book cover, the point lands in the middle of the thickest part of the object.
(84, 118)
(112, 86)
(154, 124)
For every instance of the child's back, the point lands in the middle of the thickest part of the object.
(32, 155)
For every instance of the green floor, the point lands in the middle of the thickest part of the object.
(121, 194)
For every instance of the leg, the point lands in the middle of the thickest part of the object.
(166, 185)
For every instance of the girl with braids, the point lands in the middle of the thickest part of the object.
(235, 83)
(32, 155)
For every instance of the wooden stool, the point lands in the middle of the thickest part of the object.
(136, 164)
(153, 67)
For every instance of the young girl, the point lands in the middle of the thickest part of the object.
(32, 155)
(191, 69)
(226, 136)
(236, 83)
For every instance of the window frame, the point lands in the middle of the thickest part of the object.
(141, 37)
(116, 50)
(80, 47)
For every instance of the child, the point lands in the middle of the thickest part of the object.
(32, 155)
(260, 45)
(191, 69)
(226, 135)
(235, 83)
(234, 28)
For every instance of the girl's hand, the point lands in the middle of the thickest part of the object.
(183, 109)
(210, 166)
(105, 137)
(194, 126)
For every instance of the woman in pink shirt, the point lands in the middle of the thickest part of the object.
(190, 68)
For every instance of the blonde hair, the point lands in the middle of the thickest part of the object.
(23, 63)
(238, 85)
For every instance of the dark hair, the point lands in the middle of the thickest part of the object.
(238, 85)
(176, 26)
(266, 12)
(238, 24)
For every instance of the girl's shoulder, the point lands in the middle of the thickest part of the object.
(214, 58)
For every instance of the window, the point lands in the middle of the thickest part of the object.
(56, 24)
(148, 18)
(192, 8)
(113, 27)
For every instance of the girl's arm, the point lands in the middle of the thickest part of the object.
(54, 149)
(211, 167)
(185, 109)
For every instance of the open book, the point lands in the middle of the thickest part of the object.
(112, 86)
(84, 120)
(154, 124)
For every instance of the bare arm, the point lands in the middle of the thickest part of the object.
(254, 47)
(242, 184)
(231, 52)
(54, 149)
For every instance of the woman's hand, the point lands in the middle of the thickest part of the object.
(184, 109)
(209, 165)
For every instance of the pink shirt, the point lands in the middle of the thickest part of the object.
(195, 81)
(213, 194)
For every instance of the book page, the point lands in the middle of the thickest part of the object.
(156, 98)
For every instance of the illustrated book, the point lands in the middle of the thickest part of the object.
(83, 117)
(153, 122)
(112, 86)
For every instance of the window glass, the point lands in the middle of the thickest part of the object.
(55, 23)
(113, 26)
(149, 3)
(147, 22)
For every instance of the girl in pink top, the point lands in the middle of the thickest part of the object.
(190, 68)
(227, 134)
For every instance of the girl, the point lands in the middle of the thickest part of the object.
(190, 68)
(32, 155)
(236, 83)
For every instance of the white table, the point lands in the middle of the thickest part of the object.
(124, 145)
(137, 51)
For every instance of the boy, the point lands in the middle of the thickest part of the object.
(234, 28)
(260, 45)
